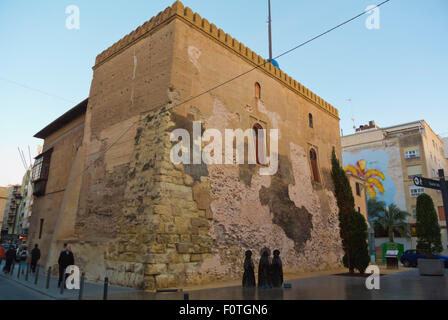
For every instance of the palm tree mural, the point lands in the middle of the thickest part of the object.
(371, 176)
(391, 219)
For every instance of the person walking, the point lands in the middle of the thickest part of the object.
(35, 256)
(66, 259)
(2, 254)
(10, 257)
(61, 269)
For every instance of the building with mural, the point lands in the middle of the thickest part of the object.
(389, 157)
(106, 182)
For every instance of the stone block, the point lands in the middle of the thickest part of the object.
(184, 247)
(155, 269)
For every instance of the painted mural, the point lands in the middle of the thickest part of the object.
(372, 167)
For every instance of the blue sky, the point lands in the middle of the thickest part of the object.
(393, 75)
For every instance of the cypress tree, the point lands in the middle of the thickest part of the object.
(359, 247)
(428, 229)
(346, 203)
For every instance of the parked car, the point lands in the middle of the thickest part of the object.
(410, 258)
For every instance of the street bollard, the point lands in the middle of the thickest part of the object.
(186, 296)
(64, 278)
(106, 285)
(48, 278)
(81, 286)
(36, 279)
(27, 271)
(18, 272)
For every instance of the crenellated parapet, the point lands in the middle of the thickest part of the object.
(177, 10)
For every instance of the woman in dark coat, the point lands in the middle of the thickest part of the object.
(10, 257)
(264, 269)
(277, 270)
(249, 273)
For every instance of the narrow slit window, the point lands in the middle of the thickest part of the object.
(41, 228)
(310, 120)
(260, 144)
(257, 90)
(314, 166)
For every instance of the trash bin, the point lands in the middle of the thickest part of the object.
(392, 259)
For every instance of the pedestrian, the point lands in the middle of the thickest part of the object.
(249, 273)
(10, 257)
(264, 269)
(276, 270)
(2, 254)
(35, 256)
(66, 259)
(61, 269)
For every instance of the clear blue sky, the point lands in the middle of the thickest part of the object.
(393, 75)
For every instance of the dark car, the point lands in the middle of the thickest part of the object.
(410, 258)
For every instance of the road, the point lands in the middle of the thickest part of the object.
(11, 290)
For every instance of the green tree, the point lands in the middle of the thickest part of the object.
(359, 248)
(346, 204)
(428, 229)
(391, 219)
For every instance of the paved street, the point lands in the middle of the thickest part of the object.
(11, 290)
(27, 289)
(406, 285)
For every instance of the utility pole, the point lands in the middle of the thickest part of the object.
(444, 189)
(270, 32)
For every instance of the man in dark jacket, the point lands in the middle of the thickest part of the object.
(61, 269)
(10, 257)
(66, 259)
(35, 256)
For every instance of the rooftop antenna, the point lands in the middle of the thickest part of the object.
(270, 32)
(353, 113)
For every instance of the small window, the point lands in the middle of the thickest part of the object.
(260, 144)
(358, 189)
(257, 90)
(416, 191)
(314, 166)
(41, 228)
(412, 154)
(359, 209)
(310, 120)
(413, 171)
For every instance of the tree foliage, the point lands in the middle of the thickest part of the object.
(353, 228)
(428, 229)
(359, 248)
(391, 219)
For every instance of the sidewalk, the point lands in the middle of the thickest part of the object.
(91, 290)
